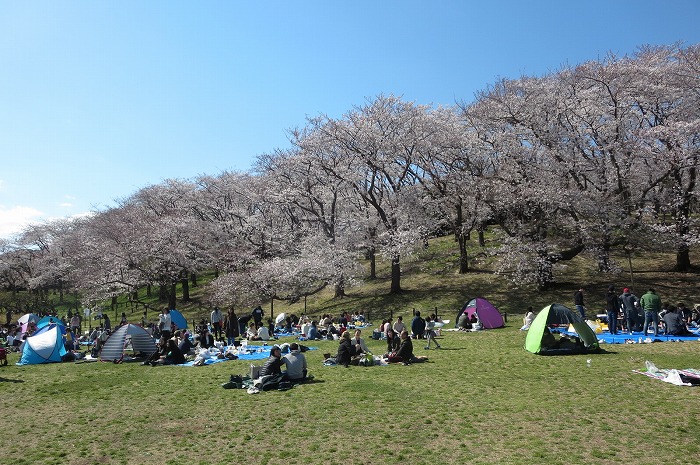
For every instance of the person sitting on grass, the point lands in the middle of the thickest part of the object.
(295, 362)
(359, 343)
(313, 331)
(345, 350)
(393, 340)
(161, 351)
(205, 339)
(463, 323)
(528, 319)
(273, 365)
(417, 326)
(173, 354)
(398, 326)
(251, 332)
(263, 333)
(405, 352)
(674, 324)
(185, 344)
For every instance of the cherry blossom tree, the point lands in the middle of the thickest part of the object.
(377, 144)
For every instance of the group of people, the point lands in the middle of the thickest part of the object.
(296, 368)
(351, 348)
(626, 312)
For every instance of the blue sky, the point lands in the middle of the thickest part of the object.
(101, 98)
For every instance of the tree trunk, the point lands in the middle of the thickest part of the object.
(340, 288)
(682, 229)
(395, 274)
(463, 257)
(372, 263)
(683, 258)
(185, 290)
(193, 278)
(172, 296)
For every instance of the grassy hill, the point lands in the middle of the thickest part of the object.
(482, 399)
(430, 280)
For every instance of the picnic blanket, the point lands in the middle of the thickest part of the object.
(252, 352)
(637, 337)
(685, 377)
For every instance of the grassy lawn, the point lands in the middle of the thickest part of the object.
(482, 399)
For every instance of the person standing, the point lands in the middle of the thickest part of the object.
(651, 304)
(75, 324)
(430, 332)
(165, 323)
(578, 302)
(612, 306)
(257, 315)
(106, 323)
(629, 303)
(216, 318)
(231, 326)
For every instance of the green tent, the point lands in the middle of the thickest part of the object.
(557, 314)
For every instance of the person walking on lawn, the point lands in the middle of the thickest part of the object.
(430, 333)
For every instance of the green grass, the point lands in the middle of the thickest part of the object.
(481, 400)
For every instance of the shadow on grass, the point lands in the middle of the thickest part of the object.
(604, 352)
(8, 380)
(443, 348)
(311, 381)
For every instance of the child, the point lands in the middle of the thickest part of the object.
(430, 332)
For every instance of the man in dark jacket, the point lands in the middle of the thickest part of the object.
(612, 306)
(345, 350)
(578, 302)
(630, 303)
(273, 365)
(675, 326)
(405, 352)
(418, 326)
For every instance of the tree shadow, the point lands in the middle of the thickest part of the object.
(8, 380)
(443, 348)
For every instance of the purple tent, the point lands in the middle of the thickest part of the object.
(488, 315)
